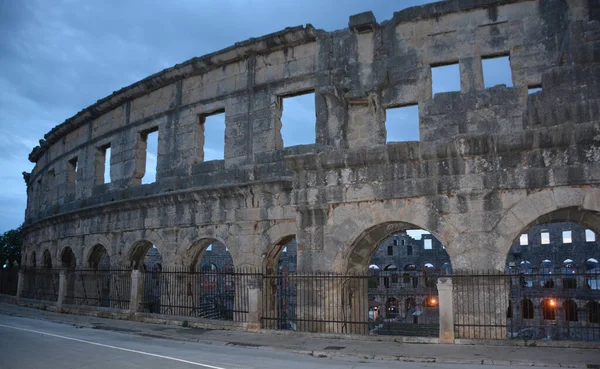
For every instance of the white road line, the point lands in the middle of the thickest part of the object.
(115, 347)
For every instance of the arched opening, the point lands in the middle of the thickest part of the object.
(146, 257)
(280, 285)
(68, 262)
(412, 259)
(548, 307)
(593, 312)
(98, 258)
(569, 280)
(546, 277)
(98, 280)
(592, 274)
(215, 289)
(556, 258)
(570, 308)
(47, 259)
(526, 309)
(67, 258)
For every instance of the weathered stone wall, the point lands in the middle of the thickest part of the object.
(490, 164)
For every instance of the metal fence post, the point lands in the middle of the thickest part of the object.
(444, 286)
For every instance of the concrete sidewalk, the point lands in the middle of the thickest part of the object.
(329, 347)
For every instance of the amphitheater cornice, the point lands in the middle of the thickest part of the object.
(275, 185)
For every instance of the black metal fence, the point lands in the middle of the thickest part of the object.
(98, 287)
(208, 294)
(515, 305)
(40, 284)
(9, 279)
(555, 306)
(550, 305)
(384, 303)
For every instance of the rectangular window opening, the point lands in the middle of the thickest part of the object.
(72, 167)
(524, 239)
(545, 238)
(102, 165)
(566, 236)
(390, 250)
(590, 236)
(496, 71)
(395, 242)
(445, 78)
(214, 135)
(298, 119)
(427, 244)
(402, 123)
(534, 89)
(409, 250)
(151, 140)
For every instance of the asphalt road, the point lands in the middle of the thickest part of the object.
(32, 344)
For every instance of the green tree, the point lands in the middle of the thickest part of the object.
(11, 243)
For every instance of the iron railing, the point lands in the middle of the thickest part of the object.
(208, 294)
(9, 279)
(40, 284)
(385, 303)
(555, 306)
(98, 287)
(516, 305)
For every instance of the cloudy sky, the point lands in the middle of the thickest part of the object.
(59, 56)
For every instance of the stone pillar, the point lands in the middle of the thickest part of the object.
(471, 74)
(62, 288)
(446, 308)
(135, 300)
(20, 283)
(254, 291)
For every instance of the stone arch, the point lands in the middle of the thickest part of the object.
(67, 258)
(272, 256)
(95, 256)
(579, 205)
(358, 256)
(137, 252)
(133, 239)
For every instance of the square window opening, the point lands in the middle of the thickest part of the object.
(298, 119)
(151, 140)
(566, 236)
(497, 71)
(427, 244)
(590, 236)
(445, 78)
(402, 124)
(214, 135)
(545, 238)
(524, 239)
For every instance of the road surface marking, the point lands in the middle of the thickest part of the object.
(115, 347)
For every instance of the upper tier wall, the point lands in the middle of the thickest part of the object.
(355, 73)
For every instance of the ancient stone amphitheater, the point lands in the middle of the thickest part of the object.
(490, 162)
